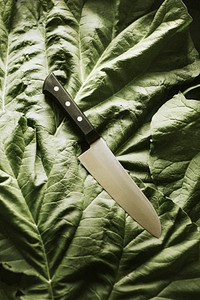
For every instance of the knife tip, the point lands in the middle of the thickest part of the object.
(158, 234)
(157, 231)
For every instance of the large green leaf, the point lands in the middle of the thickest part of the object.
(61, 236)
(175, 156)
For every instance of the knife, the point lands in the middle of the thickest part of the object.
(101, 163)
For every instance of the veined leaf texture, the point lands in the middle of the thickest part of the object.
(133, 69)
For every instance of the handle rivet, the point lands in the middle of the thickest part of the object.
(56, 88)
(67, 103)
(79, 118)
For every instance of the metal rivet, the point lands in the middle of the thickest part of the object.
(79, 118)
(56, 88)
(67, 103)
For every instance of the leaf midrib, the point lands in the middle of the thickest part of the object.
(6, 72)
(48, 278)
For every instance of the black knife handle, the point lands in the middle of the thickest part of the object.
(55, 90)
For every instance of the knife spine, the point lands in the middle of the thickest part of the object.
(53, 88)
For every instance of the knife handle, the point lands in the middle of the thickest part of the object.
(53, 88)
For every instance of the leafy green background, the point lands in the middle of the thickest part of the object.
(133, 67)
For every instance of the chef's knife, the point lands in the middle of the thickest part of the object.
(101, 163)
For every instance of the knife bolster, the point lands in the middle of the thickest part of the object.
(91, 136)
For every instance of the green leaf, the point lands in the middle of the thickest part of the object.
(175, 155)
(61, 235)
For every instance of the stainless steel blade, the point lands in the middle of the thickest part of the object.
(105, 168)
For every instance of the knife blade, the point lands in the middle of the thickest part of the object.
(101, 163)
